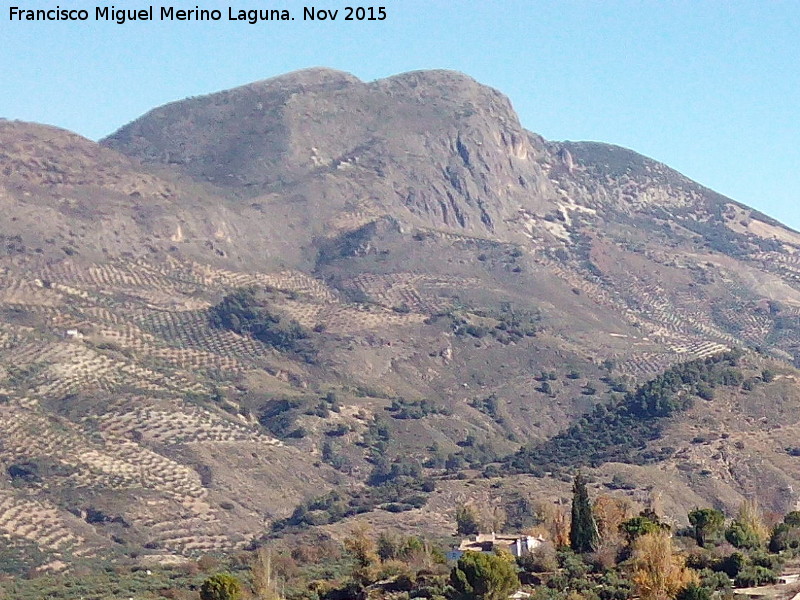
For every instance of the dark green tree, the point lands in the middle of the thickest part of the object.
(482, 576)
(638, 526)
(741, 536)
(467, 520)
(221, 586)
(753, 576)
(694, 591)
(583, 534)
(792, 519)
(706, 522)
(388, 546)
(787, 534)
(731, 565)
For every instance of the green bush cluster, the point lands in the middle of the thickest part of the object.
(245, 312)
(490, 406)
(279, 415)
(416, 409)
(786, 535)
(396, 495)
(481, 576)
(620, 430)
(222, 586)
(512, 324)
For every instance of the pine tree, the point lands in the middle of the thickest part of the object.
(583, 536)
(706, 522)
(481, 576)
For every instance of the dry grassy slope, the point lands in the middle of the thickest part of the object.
(734, 447)
(119, 417)
(65, 196)
(109, 417)
(740, 443)
(433, 200)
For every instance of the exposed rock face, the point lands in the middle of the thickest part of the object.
(321, 152)
(435, 148)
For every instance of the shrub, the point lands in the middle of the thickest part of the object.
(694, 592)
(480, 576)
(731, 565)
(222, 586)
(741, 536)
(467, 520)
(754, 576)
(573, 565)
(714, 580)
(772, 562)
(614, 587)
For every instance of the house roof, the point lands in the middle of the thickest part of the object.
(486, 542)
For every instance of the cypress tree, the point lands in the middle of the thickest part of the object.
(583, 535)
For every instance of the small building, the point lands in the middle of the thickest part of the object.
(517, 545)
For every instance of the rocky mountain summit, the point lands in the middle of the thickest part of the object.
(314, 285)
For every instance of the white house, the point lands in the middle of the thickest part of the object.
(517, 545)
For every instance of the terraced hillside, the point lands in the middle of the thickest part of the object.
(460, 288)
(107, 370)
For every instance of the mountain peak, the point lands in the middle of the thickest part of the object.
(433, 77)
(451, 88)
(306, 79)
(389, 139)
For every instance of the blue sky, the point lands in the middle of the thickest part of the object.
(711, 88)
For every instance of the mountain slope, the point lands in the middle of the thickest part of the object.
(459, 286)
(327, 155)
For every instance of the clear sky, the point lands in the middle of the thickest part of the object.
(712, 88)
